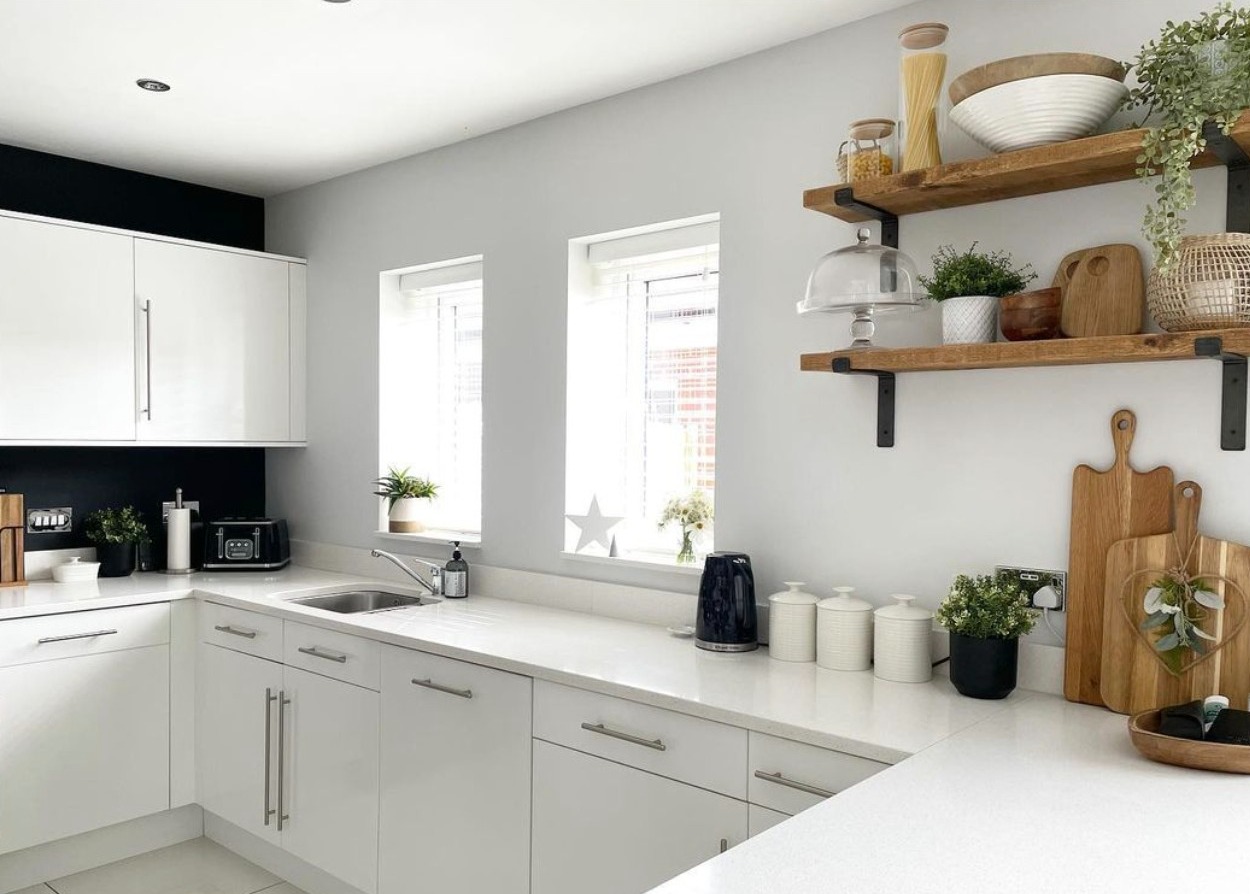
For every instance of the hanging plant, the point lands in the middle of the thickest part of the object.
(1192, 73)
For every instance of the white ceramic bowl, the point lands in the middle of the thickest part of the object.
(1039, 111)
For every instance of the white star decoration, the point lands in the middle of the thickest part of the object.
(595, 527)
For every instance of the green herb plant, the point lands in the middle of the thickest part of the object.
(1194, 72)
(1175, 605)
(956, 274)
(398, 484)
(123, 525)
(986, 607)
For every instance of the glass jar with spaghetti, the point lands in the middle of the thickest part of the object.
(922, 95)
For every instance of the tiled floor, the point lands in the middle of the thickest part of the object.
(198, 866)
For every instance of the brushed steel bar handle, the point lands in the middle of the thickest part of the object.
(69, 636)
(270, 698)
(147, 365)
(724, 845)
(778, 779)
(602, 730)
(283, 701)
(318, 652)
(438, 687)
(235, 631)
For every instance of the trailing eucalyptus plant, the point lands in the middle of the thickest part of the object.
(1194, 72)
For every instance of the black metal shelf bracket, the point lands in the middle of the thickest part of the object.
(845, 198)
(885, 397)
(1233, 391)
(1226, 149)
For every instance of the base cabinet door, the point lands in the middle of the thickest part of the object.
(236, 738)
(84, 743)
(330, 776)
(761, 819)
(604, 827)
(456, 742)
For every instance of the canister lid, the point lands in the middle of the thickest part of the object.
(923, 36)
(903, 610)
(794, 595)
(843, 601)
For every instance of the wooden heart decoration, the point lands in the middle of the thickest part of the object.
(1217, 626)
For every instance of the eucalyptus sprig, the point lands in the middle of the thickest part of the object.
(1175, 605)
(1192, 73)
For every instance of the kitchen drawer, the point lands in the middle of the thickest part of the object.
(801, 767)
(342, 656)
(701, 752)
(241, 630)
(26, 640)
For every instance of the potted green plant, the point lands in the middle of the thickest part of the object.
(694, 513)
(1194, 72)
(968, 284)
(117, 534)
(986, 617)
(403, 491)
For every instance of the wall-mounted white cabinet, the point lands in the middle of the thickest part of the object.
(108, 336)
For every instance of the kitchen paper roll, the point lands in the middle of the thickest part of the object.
(178, 540)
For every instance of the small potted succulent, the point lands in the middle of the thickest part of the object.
(986, 617)
(403, 492)
(694, 513)
(117, 535)
(968, 284)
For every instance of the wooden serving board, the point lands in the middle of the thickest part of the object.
(1133, 678)
(12, 538)
(1106, 507)
(1104, 291)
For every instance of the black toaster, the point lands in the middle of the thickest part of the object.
(246, 544)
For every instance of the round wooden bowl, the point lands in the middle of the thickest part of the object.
(1143, 729)
(1019, 68)
(1031, 316)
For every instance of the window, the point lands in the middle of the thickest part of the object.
(430, 387)
(642, 380)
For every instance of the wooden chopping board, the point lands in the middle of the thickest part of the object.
(1104, 291)
(1107, 506)
(1133, 678)
(12, 555)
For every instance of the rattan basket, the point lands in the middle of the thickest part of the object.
(1207, 287)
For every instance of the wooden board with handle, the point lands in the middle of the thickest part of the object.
(1104, 291)
(1107, 506)
(1133, 679)
(12, 537)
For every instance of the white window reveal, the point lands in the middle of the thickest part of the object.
(430, 388)
(641, 428)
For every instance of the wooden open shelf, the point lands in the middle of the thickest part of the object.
(1100, 159)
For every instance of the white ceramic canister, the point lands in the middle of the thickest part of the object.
(792, 624)
(903, 642)
(844, 631)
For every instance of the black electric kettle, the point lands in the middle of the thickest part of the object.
(726, 621)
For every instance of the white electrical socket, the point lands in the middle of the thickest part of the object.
(1033, 579)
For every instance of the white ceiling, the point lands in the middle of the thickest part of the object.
(269, 95)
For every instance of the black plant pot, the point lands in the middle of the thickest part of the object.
(983, 668)
(116, 559)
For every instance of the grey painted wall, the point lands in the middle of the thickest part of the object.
(983, 464)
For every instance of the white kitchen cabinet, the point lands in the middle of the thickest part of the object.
(330, 793)
(761, 819)
(236, 737)
(84, 742)
(213, 333)
(456, 747)
(604, 827)
(67, 342)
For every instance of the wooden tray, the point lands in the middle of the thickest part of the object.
(1143, 729)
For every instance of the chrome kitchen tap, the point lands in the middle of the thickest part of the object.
(434, 585)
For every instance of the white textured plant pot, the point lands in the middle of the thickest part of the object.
(972, 319)
(405, 516)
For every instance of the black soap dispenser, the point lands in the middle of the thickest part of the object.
(456, 574)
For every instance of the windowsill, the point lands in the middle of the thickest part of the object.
(432, 535)
(637, 560)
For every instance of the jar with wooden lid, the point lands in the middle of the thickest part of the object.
(869, 150)
(922, 95)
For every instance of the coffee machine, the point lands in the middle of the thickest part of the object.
(726, 618)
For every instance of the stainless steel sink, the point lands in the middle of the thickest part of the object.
(360, 601)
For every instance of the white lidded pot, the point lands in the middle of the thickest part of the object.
(903, 642)
(75, 571)
(792, 624)
(844, 631)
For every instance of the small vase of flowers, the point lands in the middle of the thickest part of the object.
(694, 513)
(986, 617)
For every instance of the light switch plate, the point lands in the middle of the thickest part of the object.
(169, 504)
(57, 520)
